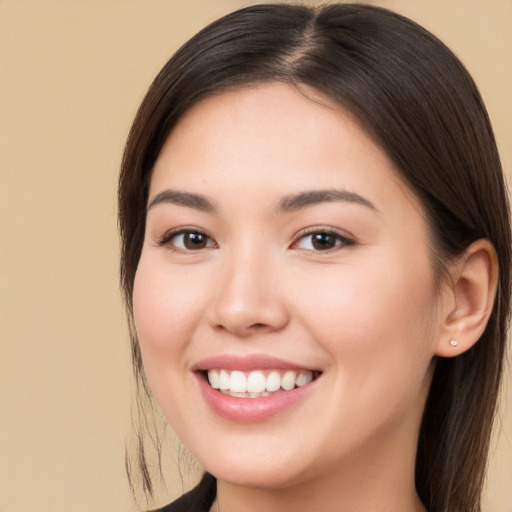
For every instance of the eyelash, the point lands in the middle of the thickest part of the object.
(167, 238)
(341, 241)
(344, 241)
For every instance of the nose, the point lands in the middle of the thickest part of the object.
(249, 298)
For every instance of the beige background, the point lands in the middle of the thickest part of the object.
(72, 73)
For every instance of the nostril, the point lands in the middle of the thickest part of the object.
(258, 326)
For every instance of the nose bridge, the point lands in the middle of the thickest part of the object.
(248, 298)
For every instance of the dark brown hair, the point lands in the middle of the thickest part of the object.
(414, 97)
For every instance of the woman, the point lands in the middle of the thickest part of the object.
(316, 262)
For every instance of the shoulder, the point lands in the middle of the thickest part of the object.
(199, 499)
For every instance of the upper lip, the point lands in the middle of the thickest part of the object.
(248, 363)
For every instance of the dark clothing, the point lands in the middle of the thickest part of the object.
(199, 499)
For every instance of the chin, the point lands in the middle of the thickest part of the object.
(256, 477)
(258, 469)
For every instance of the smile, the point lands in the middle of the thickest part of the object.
(257, 383)
(253, 388)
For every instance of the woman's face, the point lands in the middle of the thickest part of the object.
(281, 246)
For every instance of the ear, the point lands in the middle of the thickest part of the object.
(468, 299)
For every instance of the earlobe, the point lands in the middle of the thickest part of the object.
(472, 289)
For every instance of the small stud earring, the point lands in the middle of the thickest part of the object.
(453, 343)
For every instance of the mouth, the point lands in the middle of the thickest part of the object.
(257, 383)
(253, 388)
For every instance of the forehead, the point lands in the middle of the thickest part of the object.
(273, 134)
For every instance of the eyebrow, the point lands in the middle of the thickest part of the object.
(304, 199)
(182, 199)
(289, 203)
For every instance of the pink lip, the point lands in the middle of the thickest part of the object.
(249, 410)
(247, 363)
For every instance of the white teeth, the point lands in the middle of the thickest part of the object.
(254, 384)
(238, 382)
(304, 378)
(224, 379)
(288, 380)
(273, 381)
(214, 379)
(236, 394)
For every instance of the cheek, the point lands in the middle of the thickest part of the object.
(167, 307)
(373, 320)
(376, 328)
(357, 301)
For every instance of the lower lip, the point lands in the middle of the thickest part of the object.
(250, 410)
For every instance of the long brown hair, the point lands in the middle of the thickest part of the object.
(417, 101)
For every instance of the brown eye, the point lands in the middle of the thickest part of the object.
(321, 241)
(188, 240)
(193, 241)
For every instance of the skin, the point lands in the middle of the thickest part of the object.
(366, 313)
